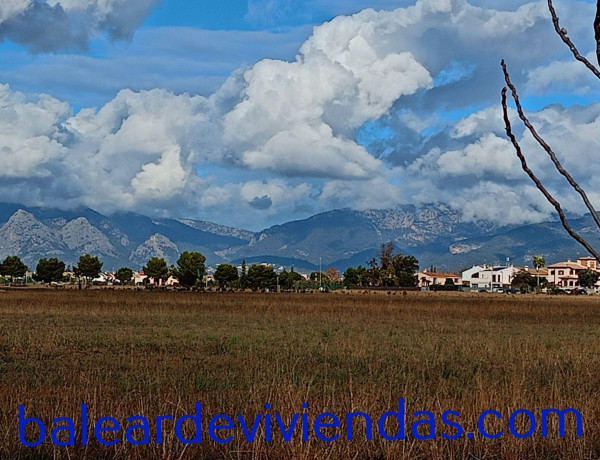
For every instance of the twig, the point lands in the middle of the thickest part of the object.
(562, 33)
(597, 30)
(538, 183)
(547, 148)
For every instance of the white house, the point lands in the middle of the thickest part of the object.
(470, 277)
(487, 278)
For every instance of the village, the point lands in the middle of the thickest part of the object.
(572, 277)
(557, 277)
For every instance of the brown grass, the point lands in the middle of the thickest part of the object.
(155, 353)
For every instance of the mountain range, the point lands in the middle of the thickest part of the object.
(435, 234)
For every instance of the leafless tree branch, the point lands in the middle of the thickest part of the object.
(597, 30)
(547, 148)
(539, 184)
(562, 33)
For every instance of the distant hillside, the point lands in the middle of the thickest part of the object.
(341, 238)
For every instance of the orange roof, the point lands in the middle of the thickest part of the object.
(574, 265)
(440, 275)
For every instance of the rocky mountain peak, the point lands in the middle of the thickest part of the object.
(79, 234)
(23, 234)
(157, 245)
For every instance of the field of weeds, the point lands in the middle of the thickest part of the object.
(126, 353)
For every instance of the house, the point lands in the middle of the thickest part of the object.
(566, 274)
(541, 273)
(588, 262)
(105, 278)
(470, 277)
(483, 277)
(427, 278)
(498, 277)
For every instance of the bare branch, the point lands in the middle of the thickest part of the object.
(597, 31)
(548, 149)
(538, 183)
(562, 33)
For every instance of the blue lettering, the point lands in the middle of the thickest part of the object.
(481, 421)
(213, 427)
(561, 421)
(430, 422)
(196, 419)
(159, 420)
(319, 425)
(250, 435)
(287, 434)
(400, 415)
(513, 429)
(70, 428)
(145, 426)
(23, 423)
(447, 421)
(99, 429)
(350, 426)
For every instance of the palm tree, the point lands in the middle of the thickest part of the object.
(539, 262)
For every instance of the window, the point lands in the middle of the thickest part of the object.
(561, 272)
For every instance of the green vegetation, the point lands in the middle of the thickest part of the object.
(89, 267)
(190, 268)
(13, 267)
(49, 270)
(226, 275)
(588, 278)
(156, 268)
(124, 275)
(261, 277)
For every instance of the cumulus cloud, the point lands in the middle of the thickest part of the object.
(51, 25)
(376, 110)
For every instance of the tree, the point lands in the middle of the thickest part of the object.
(190, 268)
(124, 275)
(539, 262)
(288, 280)
(49, 270)
(156, 268)
(261, 277)
(355, 276)
(318, 277)
(332, 273)
(225, 274)
(588, 278)
(13, 267)
(562, 33)
(88, 266)
(523, 280)
(243, 276)
(392, 269)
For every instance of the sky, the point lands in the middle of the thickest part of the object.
(251, 113)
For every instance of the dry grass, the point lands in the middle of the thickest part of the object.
(155, 353)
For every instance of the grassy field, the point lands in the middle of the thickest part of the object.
(157, 353)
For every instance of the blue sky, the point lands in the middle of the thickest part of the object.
(254, 112)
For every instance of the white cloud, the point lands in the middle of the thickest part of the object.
(489, 154)
(283, 135)
(29, 134)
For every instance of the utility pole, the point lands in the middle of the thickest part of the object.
(320, 271)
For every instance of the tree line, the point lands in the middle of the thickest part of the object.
(387, 269)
